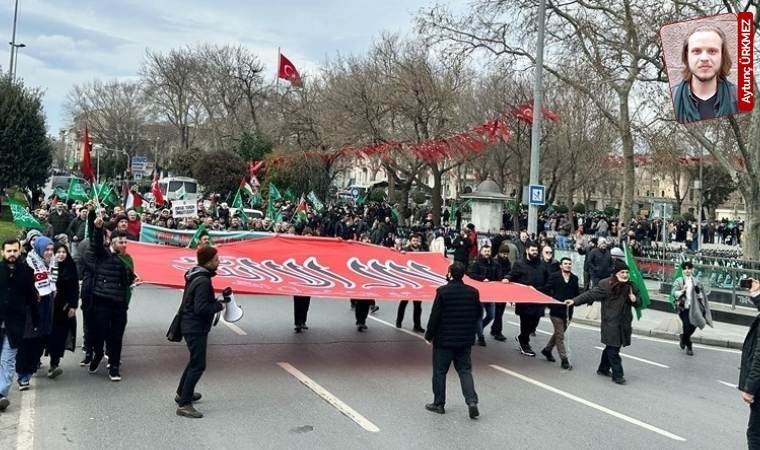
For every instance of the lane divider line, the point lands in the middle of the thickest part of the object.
(403, 330)
(731, 385)
(639, 359)
(590, 404)
(25, 435)
(517, 324)
(330, 398)
(234, 327)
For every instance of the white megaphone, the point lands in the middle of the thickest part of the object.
(232, 312)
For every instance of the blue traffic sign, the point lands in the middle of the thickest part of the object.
(536, 195)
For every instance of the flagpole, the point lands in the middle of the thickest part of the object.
(277, 74)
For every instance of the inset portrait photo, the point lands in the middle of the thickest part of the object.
(701, 59)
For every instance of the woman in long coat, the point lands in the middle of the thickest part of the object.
(65, 307)
(617, 297)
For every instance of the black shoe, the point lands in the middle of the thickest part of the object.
(566, 364)
(481, 341)
(361, 328)
(4, 403)
(54, 371)
(620, 380)
(298, 328)
(189, 411)
(398, 324)
(95, 363)
(435, 408)
(548, 355)
(196, 396)
(419, 329)
(473, 410)
(373, 309)
(113, 374)
(23, 385)
(86, 361)
(682, 342)
(604, 373)
(304, 327)
(500, 337)
(689, 351)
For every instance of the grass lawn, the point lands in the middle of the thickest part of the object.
(7, 229)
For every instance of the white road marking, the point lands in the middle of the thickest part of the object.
(728, 384)
(590, 404)
(234, 327)
(403, 330)
(640, 359)
(664, 341)
(25, 435)
(329, 398)
(537, 330)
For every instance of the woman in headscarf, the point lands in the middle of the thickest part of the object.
(65, 305)
(35, 338)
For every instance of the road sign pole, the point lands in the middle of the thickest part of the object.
(535, 137)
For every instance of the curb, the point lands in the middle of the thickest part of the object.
(671, 336)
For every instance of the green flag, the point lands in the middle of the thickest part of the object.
(61, 194)
(452, 211)
(108, 195)
(395, 214)
(636, 280)
(76, 191)
(22, 217)
(274, 193)
(318, 205)
(237, 202)
(362, 200)
(256, 200)
(289, 195)
(671, 298)
(197, 236)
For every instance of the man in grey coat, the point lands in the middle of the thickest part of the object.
(692, 304)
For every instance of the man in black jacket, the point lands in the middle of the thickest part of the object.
(530, 272)
(485, 268)
(749, 375)
(451, 329)
(415, 245)
(112, 278)
(599, 262)
(562, 285)
(199, 306)
(17, 296)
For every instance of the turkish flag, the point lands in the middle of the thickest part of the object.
(86, 163)
(156, 190)
(287, 71)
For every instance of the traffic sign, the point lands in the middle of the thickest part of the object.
(139, 164)
(536, 194)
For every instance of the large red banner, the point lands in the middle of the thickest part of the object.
(320, 267)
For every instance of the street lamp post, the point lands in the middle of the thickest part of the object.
(13, 38)
(14, 58)
(701, 197)
(535, 138)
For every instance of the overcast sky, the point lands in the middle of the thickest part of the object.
(75, 41)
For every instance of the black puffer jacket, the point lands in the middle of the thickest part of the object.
(530, 273)
(198, 302)
(111, 276)
(485, 269)
(455, 315)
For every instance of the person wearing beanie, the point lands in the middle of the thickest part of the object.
(198, 308)
(617, 297)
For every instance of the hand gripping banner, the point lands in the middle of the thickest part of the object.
(320, 267)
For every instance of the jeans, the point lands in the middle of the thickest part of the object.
(300, 309)
(688, 328)
(416, 314)
(490, 313)
(109, 320)
(528, 325)
(498, 325)
(442, 359)
(7, 365)
(558, 338)
(611, 360)
(196, 344)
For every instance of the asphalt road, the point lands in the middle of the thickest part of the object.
(375, 386)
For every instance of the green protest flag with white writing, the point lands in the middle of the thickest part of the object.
(22, 217)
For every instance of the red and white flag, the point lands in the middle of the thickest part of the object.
(134, 201)
(287, 71)
(156, 190)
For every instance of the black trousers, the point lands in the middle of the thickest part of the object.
(87, 329)
(300, 309)
(442, 359)
(498, 325)
(56, 344)
(611, 360)
(688, 328)
(753, 428)
(196, 344)
(362, 310)
(416, 313)
(109, 320)
(528, 325)
(29, 354)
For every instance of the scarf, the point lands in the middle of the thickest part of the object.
(686, 106)
(41, 274)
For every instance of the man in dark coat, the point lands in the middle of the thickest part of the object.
(562, 285)
(749, 374)
(199, 306)
(17, 295)
(599, 262)
(485, 268)
(529, 271)
(415, 245)
(451, 329)
(617, 297)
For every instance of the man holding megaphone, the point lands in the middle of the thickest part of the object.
(199, 306)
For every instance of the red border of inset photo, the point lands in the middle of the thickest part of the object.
(738, 45)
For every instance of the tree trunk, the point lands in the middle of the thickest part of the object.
(751, 234)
